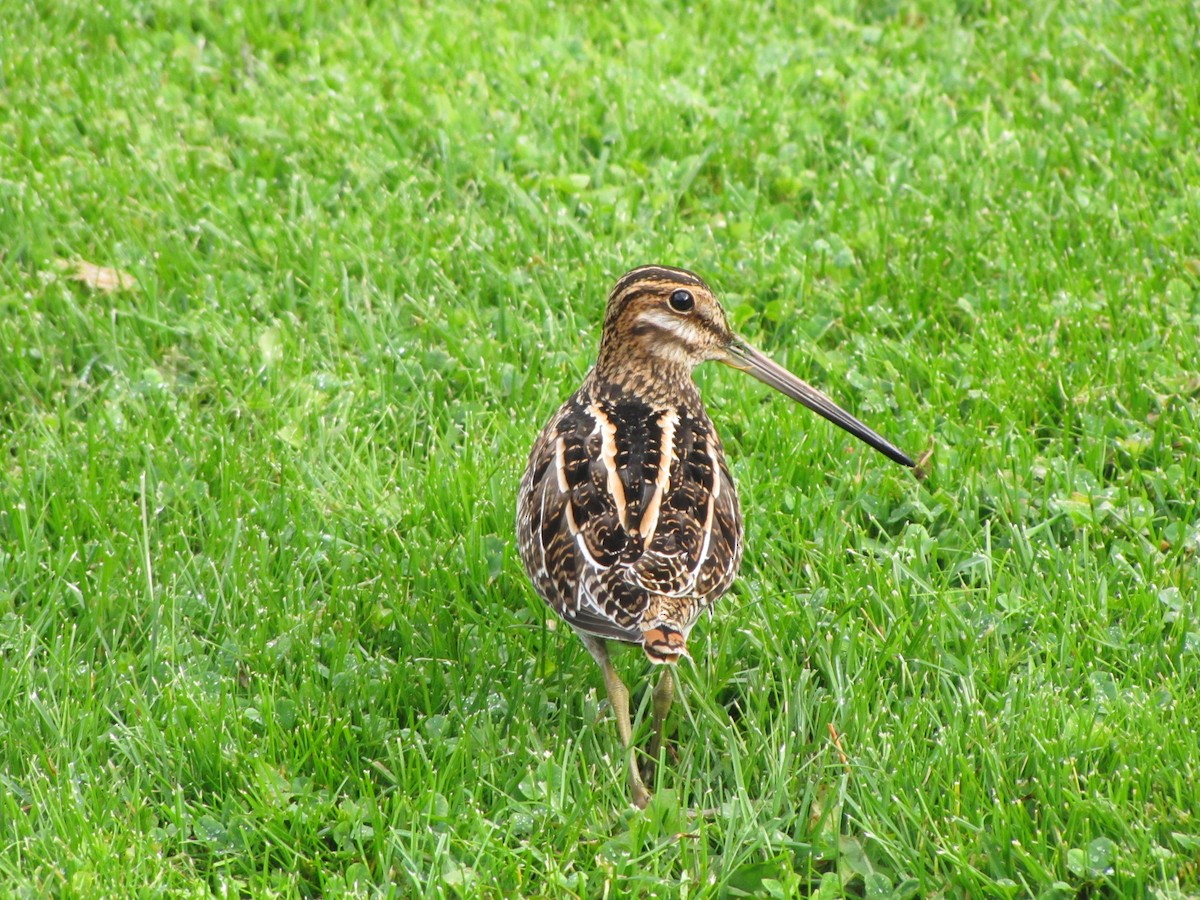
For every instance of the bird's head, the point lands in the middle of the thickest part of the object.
(662, 322)
(657, 315)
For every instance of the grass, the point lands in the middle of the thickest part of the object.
(263, 630)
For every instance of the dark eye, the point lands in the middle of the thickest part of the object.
(682, 301)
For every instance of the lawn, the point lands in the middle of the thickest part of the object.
(286, 291)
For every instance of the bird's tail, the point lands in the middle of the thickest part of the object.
(664, 644)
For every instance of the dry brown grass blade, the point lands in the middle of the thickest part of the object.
(100, 278)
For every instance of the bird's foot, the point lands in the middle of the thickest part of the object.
(641, 796)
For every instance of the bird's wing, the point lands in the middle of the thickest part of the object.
(570, 527)
(716, 571)
(547, 546)
(694, 546)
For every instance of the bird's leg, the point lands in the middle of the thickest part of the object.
(618, 699)
(664, 693)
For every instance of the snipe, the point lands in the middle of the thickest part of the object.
(627, 517)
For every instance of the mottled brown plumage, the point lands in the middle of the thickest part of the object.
(627, 518)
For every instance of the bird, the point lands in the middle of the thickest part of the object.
(627, 518)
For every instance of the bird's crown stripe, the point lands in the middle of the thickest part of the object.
(660, 276)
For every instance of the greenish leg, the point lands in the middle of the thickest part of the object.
(664, 693)
(618, 699)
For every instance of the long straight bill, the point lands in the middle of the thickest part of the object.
(742, 356)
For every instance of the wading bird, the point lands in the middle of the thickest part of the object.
(627, 517)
